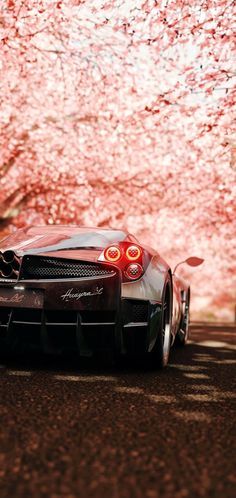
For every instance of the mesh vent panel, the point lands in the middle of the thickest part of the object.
(37, 267)
(140, 312)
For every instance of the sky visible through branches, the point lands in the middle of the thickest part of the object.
(122, 113)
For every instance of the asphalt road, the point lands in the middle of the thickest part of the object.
(122, 433)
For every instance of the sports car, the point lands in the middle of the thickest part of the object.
(90, 290)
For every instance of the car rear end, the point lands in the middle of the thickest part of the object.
(85, 299)
(57, 304)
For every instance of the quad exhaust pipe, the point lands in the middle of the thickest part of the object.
(9, 265)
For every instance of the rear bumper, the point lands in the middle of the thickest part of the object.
(67, 316)
(85, 332)
(55, 332)
(61, 314)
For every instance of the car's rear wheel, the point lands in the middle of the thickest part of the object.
(183, 332)
(163, 342)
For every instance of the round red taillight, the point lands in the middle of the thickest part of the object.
(134, 271)
(112, 254)
(133, 253)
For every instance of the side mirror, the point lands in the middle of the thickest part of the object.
(192, 261)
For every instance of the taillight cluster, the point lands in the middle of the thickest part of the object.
(129, 258)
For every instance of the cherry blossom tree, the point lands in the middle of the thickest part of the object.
(122, 113)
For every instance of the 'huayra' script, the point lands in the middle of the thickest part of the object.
(74, 294)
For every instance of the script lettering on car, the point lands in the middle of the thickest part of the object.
(74, 294)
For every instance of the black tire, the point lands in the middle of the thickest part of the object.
(182, 335)
(163, 342)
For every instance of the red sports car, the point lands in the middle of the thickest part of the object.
(67, 288)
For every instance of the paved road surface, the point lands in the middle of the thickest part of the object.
(122, 433)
